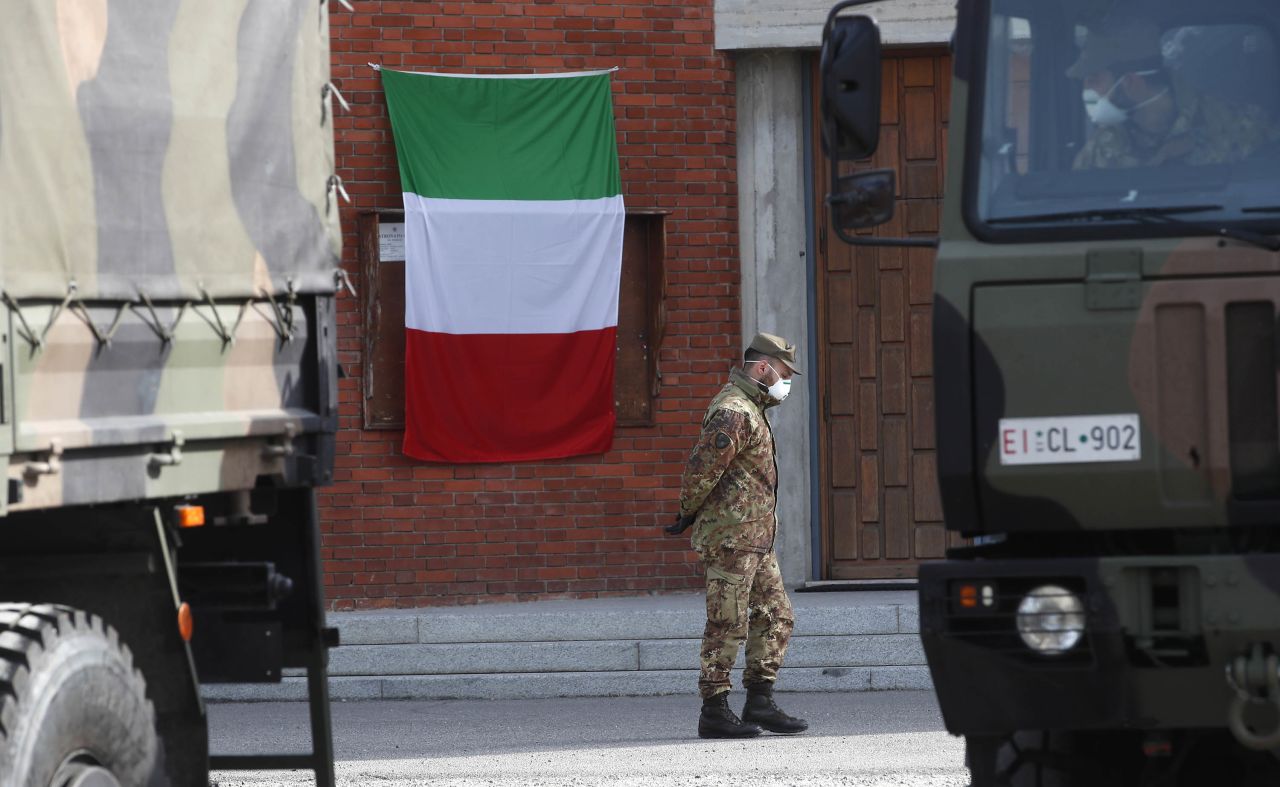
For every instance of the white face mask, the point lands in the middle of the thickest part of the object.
(1103, 112)
(780, 389)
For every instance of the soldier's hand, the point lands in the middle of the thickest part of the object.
(682, 524)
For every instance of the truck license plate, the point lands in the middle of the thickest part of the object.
(1070, 439)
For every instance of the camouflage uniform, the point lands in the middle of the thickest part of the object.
(1207, 130)
(730, 483)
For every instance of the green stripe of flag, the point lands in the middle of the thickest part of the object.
(519, 138)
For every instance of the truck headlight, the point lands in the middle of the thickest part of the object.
(1051, 619)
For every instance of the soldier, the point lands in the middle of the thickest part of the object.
(1145, 117)
(729, 493)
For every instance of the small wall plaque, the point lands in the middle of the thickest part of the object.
(391, 242)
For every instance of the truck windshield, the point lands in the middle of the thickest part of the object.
(1092, 112)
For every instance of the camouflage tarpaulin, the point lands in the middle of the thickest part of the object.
(172, 148)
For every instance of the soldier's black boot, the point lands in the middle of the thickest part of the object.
(717, 721)
(762, 710)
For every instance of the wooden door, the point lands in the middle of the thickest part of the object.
(881, 513)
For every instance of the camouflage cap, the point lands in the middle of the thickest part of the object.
(1125, 47)
(775, 347)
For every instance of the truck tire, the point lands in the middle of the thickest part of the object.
(1043, 759)
(73, 710)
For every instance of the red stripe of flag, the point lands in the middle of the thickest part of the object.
(508, 397)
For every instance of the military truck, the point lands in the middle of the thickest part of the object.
(1105, 367)
(168, 393)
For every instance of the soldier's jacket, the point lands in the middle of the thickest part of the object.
(731, 478)
(1208, 130)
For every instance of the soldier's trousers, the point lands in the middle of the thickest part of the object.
(745, 600)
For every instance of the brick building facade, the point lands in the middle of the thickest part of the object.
(401, 533)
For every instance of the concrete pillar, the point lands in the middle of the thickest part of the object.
(775, 298)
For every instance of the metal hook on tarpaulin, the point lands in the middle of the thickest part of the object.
(151, 318)
(216, 323)
(328, 90)
(335, 184)
(342, 281)
(244, 307)
(1255, 679)
(25, 330)
(323, 3)
(78, 308)
(282, 316)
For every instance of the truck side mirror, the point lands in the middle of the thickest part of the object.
(850, 67)
(850, 77)
(863, 199)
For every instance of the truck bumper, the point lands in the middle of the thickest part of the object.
(1159, 633)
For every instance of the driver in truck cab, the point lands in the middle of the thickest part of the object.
(1144, 115)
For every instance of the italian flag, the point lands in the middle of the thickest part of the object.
(513, 253)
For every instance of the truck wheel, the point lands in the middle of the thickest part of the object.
(1044, 759)
(73, 710)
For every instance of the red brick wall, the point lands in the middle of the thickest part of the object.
(402, 533)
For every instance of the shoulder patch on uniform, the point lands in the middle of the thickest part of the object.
(722, 441)
(727, 420)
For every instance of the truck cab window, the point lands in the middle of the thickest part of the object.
(1138, 106)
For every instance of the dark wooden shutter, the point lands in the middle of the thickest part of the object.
(382, 293)
(640, 318)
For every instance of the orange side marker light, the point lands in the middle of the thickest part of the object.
(190, 516)
(186, 626)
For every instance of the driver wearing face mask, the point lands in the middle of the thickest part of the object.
(1144, 118)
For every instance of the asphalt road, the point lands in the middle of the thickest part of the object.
(863, 739)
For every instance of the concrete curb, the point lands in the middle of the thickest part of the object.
(637, 683)
(863, 641)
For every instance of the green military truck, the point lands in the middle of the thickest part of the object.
(168, 378)
(1105, 354)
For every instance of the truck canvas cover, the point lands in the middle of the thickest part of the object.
(177, 149)
(168, 247)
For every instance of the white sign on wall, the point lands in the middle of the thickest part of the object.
(391, 241)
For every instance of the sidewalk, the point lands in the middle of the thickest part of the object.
(647, 646)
